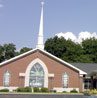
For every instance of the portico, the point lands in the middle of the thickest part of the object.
(93, 79)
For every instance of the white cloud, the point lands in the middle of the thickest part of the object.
(86, 35)
(67, 35)
(81, 36)
(1, 5)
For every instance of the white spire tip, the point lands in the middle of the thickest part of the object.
(42, 2)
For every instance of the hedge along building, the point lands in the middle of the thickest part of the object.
(38, 68)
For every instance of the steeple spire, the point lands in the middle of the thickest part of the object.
(40, 35)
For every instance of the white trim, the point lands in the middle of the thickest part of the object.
(22, 74)
(56, 58)
(10, 88)
(68, 64)
(27, 73)
(17, 57)
(51, 75)
(65, 89)
(81, 75)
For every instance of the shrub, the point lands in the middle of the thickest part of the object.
(64, 92)
(92, 92)
(36, 89)
(26, 89)
(54, 91)
(44, 89)
(4, 90)
(20, 90)
(73, 91)
(86, 93)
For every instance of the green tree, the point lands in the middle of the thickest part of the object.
(9, 51)
(23, 50)
(84, 59)
(90, 48)
(55, 46)
(1, 54)
(64, 49)
(73, 51)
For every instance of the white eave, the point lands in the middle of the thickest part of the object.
(17, 57)
(66, 63)
(56, 58)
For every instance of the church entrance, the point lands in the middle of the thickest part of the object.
(90, 83)
(36, 78)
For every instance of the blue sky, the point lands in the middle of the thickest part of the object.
(19, 19)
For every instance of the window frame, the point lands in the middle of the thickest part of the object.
(34, 77)
(6, 80)
(65, 79)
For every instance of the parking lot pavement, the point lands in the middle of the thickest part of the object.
(42, 96)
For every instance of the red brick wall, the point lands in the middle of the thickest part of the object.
(81, 84)
(54, 67)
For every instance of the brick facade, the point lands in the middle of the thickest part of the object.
(54, 67)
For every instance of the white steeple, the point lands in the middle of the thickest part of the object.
(40, 35)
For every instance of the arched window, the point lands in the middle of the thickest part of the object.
(65, 80)
(36, 76)
(6, 78)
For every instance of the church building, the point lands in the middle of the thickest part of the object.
(38, 68)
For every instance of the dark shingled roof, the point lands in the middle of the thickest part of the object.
(87, 67)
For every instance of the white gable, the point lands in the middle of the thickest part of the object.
(45, 52)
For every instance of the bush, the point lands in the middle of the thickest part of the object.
(86, 93)
(92, 92)
(4, 90)
(26, 89)
(64, 92)
(20, 90)
(36, 89)
(44, 89)
(73, 91)
(54, 91)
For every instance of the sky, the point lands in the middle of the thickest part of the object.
(20, 19)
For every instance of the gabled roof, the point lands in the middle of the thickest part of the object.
(81, 72)
(86, 67)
